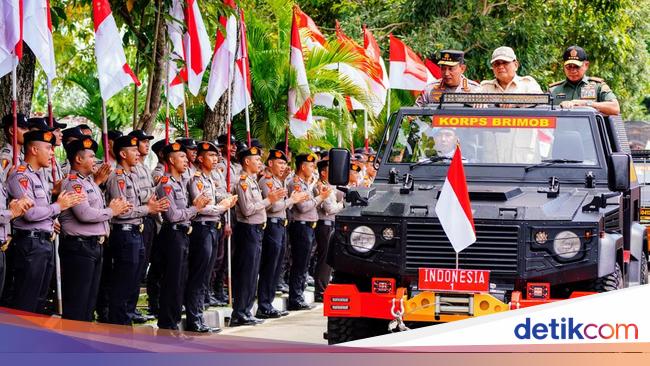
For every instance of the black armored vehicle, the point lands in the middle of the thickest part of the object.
(555, 202)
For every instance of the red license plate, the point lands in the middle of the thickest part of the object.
(444, 279)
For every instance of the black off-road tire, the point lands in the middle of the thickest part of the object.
(341, 330)
(611, 282)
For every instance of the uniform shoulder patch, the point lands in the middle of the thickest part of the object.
(244, 186)
(21, 169)
(555, 83)
(5, 162)
(243, 177)
(24, 182)
(164, 179)
(72, 176)
(199, 185)
(269, 184)
(598, 80)
(77, 188)
(296, 187)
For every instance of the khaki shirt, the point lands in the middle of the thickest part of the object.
(519, 84)
(251, 206)
(330, 206)
(433, 91)
(589, 88)
(158, 172)
(201, 183)
(306, 210)
(279, 208)
(27, 182)
(176, 193)
(235, 172)
(90, 217)
(145, 182)
(7, 158)
(122, 183)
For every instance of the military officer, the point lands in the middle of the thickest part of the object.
(275, 234)
(452, 66)
(15, 208)
(579, 90)
(147, 189)
(248, 233)
(304, 217)
(32, 253)
(7, 152)
(174, 236)
(126, 242)
(205, 235)
(327, 211)
(84, 229)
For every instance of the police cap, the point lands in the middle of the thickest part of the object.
(123, 142)
(305, 158)
(277, 154)
(140, 135)
(39, 135)
(172, 148)
(158, 146)
(39, 123)
(252, 151)
(86, 143)
(113, 134)
(451, 57)
(8, 120)
(187, 143)
(206, 146)
(223, 139)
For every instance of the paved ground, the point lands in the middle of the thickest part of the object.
(300, 326)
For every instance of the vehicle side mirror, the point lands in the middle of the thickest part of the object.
(339, 167)
(619, 172)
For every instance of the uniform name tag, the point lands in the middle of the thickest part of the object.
(588, 92)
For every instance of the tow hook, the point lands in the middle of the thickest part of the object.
(397, 324)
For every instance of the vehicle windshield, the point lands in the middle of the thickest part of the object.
(495, 140)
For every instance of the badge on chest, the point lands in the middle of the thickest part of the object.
(588, 92)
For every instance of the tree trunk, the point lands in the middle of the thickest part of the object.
(158, 69)
(24, 86)
(215, 121)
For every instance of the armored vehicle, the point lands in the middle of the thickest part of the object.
(555, 202)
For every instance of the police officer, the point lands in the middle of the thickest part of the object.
(84, 229)
(275, 234)
(304, 216)
(126, 242)
(7, 152)
(251, 218)
(147, 189)
(216, 294)
(54, 181)
(189, 146)
(174, 236)
(235, 167)
(205, 236)
(579, 90)
(14, 209)
(327, 210)
(155, 272)
(33, 257)
(159, 170)
(452, 66)
(112, 136)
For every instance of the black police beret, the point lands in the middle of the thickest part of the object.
(277, 154)
(355, 166)
(172, 148)
(253, 151)
(86, 143)
(222, 139)
(39, 135)
(158, 146)
(305, 158)
(72, 132)
(84, 126)
(206, 146)
(113, 134)
(140, 135)
(187, 143)
(8, 120)
(124, 142)
(39, 123)
(322, 165)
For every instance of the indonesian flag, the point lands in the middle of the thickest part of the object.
(224, 56)
(177, 77)
(379, 83)
(37, 34)
(433, 68)
(11, 32)
(358, 76)
(241, 96)
(453, 208)
(407, 71)
(300, 118)
(114, 73)
(197, 46)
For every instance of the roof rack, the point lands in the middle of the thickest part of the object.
(498, 99)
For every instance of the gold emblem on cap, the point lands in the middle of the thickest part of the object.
(278, 154)
(134, 141)
(206, 146)
(310, 157)
(87, 143)
(176, 146)
(356, 168)
(254, 150)
(446, 56)
(47, 136)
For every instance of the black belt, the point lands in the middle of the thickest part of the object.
(44, 235)
(216, 224)
(311, 224)
(278, 220)
(326, 222)
(98, 238)
(129, 227)
(187, 229)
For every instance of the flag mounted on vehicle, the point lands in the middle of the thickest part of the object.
(453, 207)
(113, 70)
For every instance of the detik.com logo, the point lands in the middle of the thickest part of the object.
(569, 328)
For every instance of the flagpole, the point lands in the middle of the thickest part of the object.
(228, 187)
(105, 131)
(365, 129)
(167, 104)
(187, 129)
(51, 122)
(14, 110)
(388, 116)
(245, 75)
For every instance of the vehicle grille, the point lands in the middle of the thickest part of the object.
(612, 221)
(495, 248)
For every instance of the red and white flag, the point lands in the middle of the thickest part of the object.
(197, 46)
(407, 71)
(356, 75)
(114, 73)
(300, 117)
(11, 34)
(379, 83)
(221, 74)
(453, 207)
(37, 34)
(177, 73)
(241, 96)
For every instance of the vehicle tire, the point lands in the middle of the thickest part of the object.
(644, 269)
(611, 282)
(341, 330)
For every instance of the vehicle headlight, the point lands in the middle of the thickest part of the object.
(362, 239)
(388, 233)
(566, 244)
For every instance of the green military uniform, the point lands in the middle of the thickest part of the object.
(589, 88)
